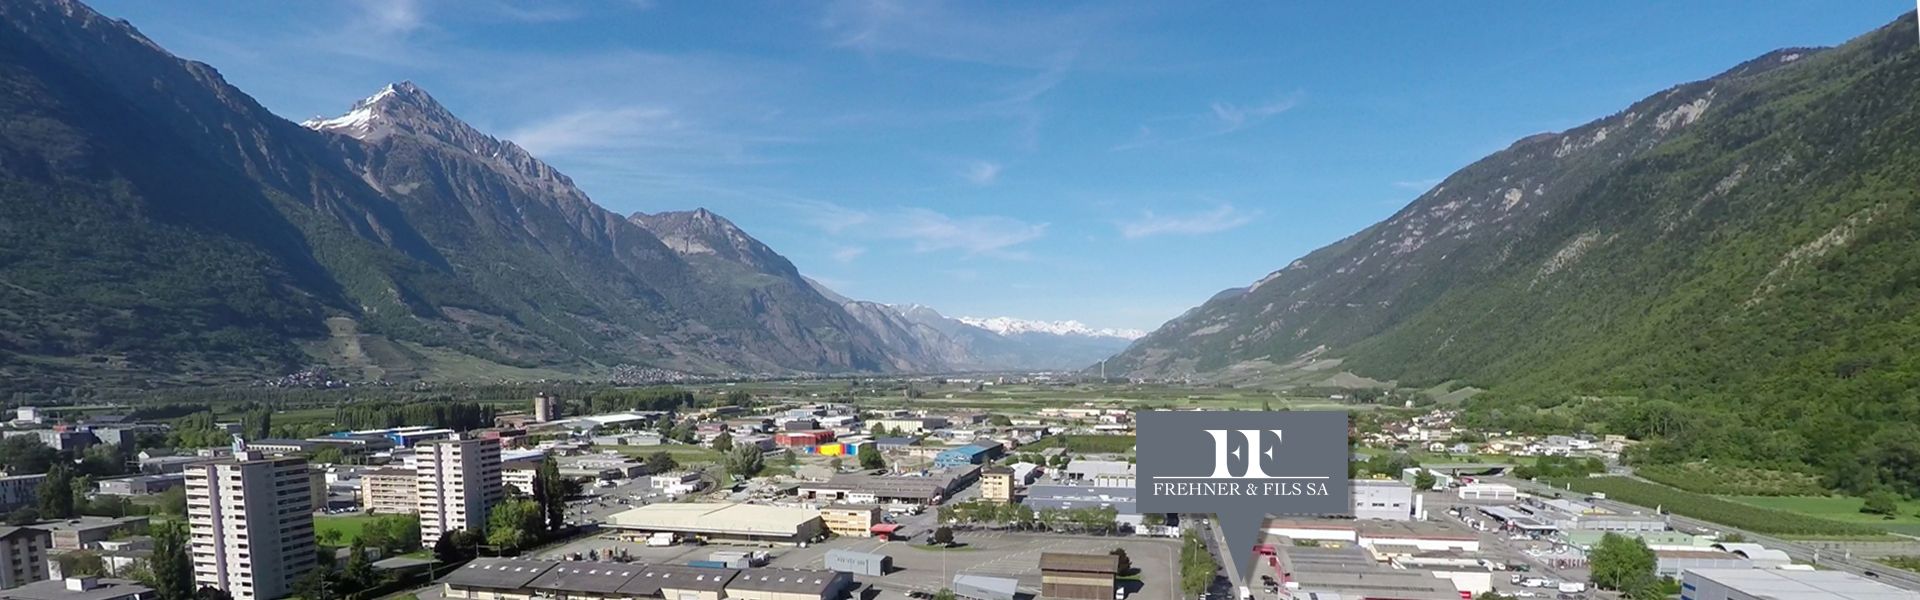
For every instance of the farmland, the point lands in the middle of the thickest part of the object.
(1726, 512)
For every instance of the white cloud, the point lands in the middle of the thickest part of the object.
(846, 254)
(931, 231)
(1418, 185)
(983, 172)
(926, 230)
(1221, 118)
(595, 129)
(1233, 117)
(390, 17)
(1220, 219)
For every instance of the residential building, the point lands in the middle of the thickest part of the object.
(23, 555)
(850, 520)
(390, 490)
(81, 588)
(17, 491)
(459, 481)
(251, 522)
(996, 484)
(1763, 584)
(1078, 576)
(519, 474)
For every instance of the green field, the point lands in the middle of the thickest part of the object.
(348, 526)
(1839, 508)
(683, 453)
(1721, 510)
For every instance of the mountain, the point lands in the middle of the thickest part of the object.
(1013, 326)
(996, 344)
(1745, 244)
(161, 227)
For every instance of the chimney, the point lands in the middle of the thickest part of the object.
(82, 584)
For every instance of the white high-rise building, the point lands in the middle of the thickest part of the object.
(459, 481)
(251, 522)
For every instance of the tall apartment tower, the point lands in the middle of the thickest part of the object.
(459, 480)
(545, 408)
(251, 522)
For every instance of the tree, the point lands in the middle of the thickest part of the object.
(56, 493)
(1881, 502)
(944, 594)
(26, 515)
(661, 462)
(26, 455)
(879, 430)
(999, 420)
(1153, 519)
(1622, 563)
(1424, 480)
(550, 489)
(1733, 537)
(328, 455)
(745, 461)
(1126, 564)
(447, 549)
(359, 573)
(172, 502)
(82, 563)
(835, 463)
(207, 592)
(1266, 405)
(870, 457)
(514, 524)
(790, 458)
(170, 569)
(318, 584)
(943, 536)
(723, 442)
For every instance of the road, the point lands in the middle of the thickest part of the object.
(1800, 552)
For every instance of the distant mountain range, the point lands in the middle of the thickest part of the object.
(1747, 236)
(160, 227)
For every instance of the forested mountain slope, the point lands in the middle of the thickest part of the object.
(1741, 253)
(159, 226)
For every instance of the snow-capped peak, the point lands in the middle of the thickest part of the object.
(1010, 326)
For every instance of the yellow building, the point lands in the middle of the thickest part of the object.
(996, 484)
(850, 520)
(389, 490)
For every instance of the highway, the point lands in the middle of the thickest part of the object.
(1799, 551)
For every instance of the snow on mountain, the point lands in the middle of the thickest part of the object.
(1012, 326)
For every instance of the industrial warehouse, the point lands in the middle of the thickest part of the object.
(722, 522)
(488, 578)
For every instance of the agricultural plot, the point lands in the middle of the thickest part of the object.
(1718, 510)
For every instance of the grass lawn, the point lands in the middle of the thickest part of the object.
(683, 453)
(348, 526)
(1839, 508)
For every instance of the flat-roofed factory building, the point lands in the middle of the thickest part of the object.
(1078, 576)
(723, 522)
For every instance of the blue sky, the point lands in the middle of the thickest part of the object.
(1110, 162)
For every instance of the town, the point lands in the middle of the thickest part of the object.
(786, 496)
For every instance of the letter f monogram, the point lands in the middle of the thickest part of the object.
(1222, 466)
